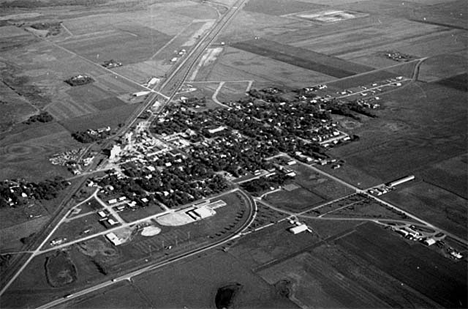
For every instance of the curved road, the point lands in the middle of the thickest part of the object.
(252, 208)
(173, 82)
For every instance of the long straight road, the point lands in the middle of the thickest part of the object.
(251, 207)
(171, 87)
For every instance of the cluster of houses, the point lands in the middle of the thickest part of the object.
(110, 64)
(398, 56)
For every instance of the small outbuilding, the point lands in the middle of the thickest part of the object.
(299, 229)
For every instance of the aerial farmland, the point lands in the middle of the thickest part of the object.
(233, 154)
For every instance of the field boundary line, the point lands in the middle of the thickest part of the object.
(170, 41)
(66, 29)
(105, 69)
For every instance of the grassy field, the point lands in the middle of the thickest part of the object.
(265, 215)
(434, 276)
(271, 245)
(442, 208)
(366, 208)
(295, 200)
(110, 117)
(74, 229)
(322, 186)
(28, 288)
(21, 226)
(330, 228)
(123, 296)
(232, 91)
(195, 283)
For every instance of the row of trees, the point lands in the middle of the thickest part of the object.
(86, 137)
(263, 184)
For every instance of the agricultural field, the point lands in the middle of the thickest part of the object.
(442, 208)
(432, 275)
(344, 274)
(450, 175)
(343, 259)
(406, 130)
(300, 57)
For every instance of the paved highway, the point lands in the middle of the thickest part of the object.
(171, 86)
(252, 208)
